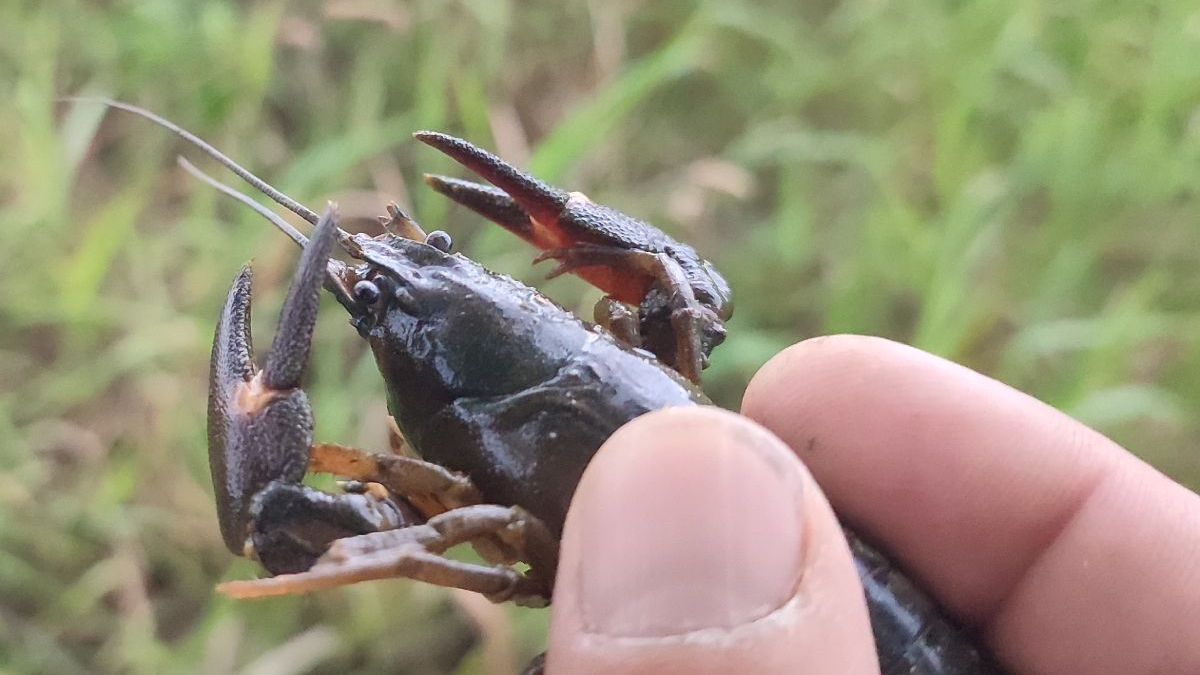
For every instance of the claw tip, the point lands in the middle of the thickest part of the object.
(438, 140)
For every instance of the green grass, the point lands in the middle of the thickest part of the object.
(1011, 185)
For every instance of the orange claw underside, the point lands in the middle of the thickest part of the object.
(530, 209)
(626, 286)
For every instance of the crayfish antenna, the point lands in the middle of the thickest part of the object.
(279, 223)
(334, 268)
(243, 173)
(541, 201)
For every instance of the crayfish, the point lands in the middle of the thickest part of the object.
(501, 397)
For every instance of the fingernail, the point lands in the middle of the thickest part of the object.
(691, 520)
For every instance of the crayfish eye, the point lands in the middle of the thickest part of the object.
(366, 292)
(440, 240)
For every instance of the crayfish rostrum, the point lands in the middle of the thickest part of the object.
(500, 396)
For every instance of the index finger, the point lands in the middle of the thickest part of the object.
(1067, 552)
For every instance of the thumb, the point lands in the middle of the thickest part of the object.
(697, 543)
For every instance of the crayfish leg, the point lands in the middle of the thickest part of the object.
(416, 553)
(431, 488)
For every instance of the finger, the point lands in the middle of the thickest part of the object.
(1073, 555)
(697, 543)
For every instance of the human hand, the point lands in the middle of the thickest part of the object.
(697, 544)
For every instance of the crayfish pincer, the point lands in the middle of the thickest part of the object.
(683, 301)
(501, 396)
(262, 508)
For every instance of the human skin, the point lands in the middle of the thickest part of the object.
(696, 543)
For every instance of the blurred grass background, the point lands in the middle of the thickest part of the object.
(1013, 185)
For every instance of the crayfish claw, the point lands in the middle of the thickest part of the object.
(232, 356)
(538, 200)
(490, 202)
(675, 290)
(260, 423)
(256, 434)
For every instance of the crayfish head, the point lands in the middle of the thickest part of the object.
(444, 328)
